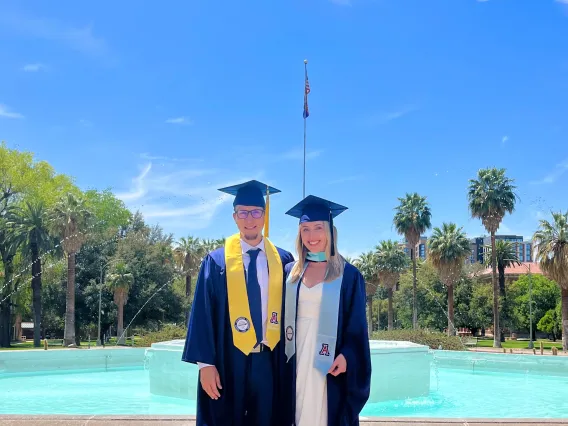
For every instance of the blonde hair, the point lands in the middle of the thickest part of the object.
(335, 263)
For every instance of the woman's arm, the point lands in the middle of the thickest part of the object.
(355, 346)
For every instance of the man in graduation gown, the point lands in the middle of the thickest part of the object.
(342, 315)
(234, 328)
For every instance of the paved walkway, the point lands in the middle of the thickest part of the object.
(189, 421)
(517, 351)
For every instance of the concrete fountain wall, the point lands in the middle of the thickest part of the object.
(68, 360)
(400, 370)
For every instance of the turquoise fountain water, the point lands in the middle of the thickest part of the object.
(408, 381)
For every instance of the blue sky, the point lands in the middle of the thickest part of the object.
(164, 104)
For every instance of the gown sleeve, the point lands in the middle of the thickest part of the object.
(200, 339)
(356, 350)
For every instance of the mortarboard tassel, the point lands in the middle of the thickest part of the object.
(331, 229)
(267, 213)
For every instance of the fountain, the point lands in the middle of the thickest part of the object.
(400, 370)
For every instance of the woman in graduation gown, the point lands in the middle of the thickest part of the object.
(327, 370)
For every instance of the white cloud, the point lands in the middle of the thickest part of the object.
(179, 120)
(562, 1)
(382, 118)
(6, 113)
(177, 197)
(85, 123)
(149, 157)
(33, 67)
(504, 139)
(555, 174)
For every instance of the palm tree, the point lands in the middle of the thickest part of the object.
(412, 219)
(30, 228)
(120, 282)
(506, 255)
(69, 220)
(551, 244)
(187, 256)
(491, 196)
(391, 262)
(8, 250)
(348, 259)
(367, 265)
(448, 248)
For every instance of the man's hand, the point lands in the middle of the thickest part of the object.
(339, 366)
(210, 381)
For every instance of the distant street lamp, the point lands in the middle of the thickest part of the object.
(531, 343)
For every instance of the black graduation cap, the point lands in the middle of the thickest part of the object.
(252, 193)
(312, 209)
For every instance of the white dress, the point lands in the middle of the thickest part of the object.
(311, 384)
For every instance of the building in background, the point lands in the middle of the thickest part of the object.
(478, 247)
(523, 248)
(421, 248)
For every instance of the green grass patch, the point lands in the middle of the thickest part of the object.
(519, 344)
(22, 346)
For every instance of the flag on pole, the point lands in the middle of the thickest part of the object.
(306, 92)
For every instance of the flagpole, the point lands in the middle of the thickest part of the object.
(305, 76)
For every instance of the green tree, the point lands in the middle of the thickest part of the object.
(21, 177)
(120, 282)
(551, 242)
(109, 213)
(448, 248)
(367, 265)
(490, 197)
(30, 230)
(506, 256)
(412, 219)
(152, 298)
(391, 262)
(550, 322)
(187, 257)
(473, 304)
(69, 220)
(545, 296)
(430, 297)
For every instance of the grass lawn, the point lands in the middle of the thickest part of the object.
(519, 344)
(84, 344)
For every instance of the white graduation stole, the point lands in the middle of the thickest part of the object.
(327, 327)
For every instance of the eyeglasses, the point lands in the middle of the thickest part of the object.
(256, 214)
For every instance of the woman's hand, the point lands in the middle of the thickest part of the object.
(339, 366)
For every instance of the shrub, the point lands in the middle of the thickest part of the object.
(432, 339)
(167, 332)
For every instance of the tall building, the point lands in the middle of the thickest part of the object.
(421, 248)
(522, 248)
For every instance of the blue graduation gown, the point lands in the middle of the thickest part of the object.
(209, 340)
(348, 392)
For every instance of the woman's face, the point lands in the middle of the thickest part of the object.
(313, 236)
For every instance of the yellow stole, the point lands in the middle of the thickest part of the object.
(244, 337)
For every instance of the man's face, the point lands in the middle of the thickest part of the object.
(250, 221)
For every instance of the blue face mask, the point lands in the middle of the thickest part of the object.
(316, 257)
